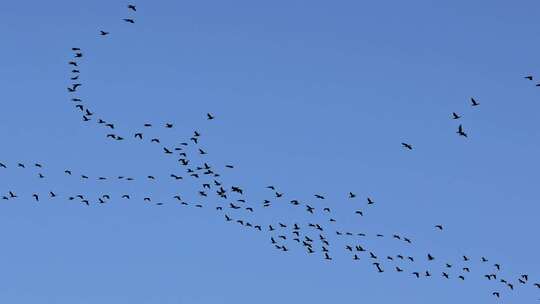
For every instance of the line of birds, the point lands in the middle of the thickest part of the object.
(221, 192)
(312, 236)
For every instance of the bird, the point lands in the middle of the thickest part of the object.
(461, 132)
(455, 115)
(407, 146)
(209, 116)
(103, 33)
(474, 103)
(370, 201)
(352, 195)
(498, 295)
(129, 20)
(319, 196)
(529, 77)
(132, 7)
(440, 227)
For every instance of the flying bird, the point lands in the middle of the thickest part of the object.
(407, 146)
(461, 132)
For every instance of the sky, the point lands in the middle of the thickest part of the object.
(309, 96)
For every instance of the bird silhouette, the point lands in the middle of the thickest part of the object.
(461, 132)
(407, 146)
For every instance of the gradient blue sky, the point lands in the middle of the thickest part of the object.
(312, 96)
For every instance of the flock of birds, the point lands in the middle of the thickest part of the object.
(316, 233)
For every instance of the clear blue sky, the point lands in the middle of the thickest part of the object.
(310, 96)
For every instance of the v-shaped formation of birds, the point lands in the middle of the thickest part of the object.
(316, 233)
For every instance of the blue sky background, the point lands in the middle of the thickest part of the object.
(310, 96)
